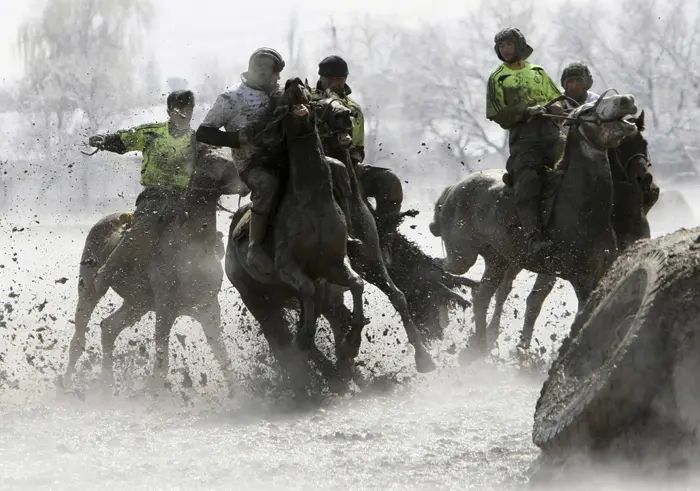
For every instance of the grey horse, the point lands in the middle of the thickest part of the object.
(477, 216)
(182, 277)
(634, 194)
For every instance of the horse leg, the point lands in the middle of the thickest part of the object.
(378, 276)
(165, 318)
(344, 275)
(340, 319)
(291, 274)
(504, 289)
(542, 288)
(210, 320)
(125, 316)
(88, 298)
(583, 287)
(493, 275)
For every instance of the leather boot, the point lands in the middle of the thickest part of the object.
(529, 214)
(257, 258)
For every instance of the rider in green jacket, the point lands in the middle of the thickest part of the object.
(516, 95)
(168, 150)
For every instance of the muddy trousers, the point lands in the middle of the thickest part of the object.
(385, 187)
(264, 190)
(528, 183)
(155, 208)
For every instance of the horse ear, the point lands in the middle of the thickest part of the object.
(640, 121)
(287, 84)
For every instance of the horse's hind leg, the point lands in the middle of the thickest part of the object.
(125, 316)
(378, 276)
(88, 298)
(542, 288)
(165, 318)
(504, 289)
(210, 319)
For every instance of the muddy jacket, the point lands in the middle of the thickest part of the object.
(358, 121)
(167, 160)
(510, 92)
(235, 109)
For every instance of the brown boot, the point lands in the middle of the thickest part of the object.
(257, 258)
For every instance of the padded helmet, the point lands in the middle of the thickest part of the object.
(261, 54)
(333, 66)
(577, 69)
(180, 98)
(522, 49)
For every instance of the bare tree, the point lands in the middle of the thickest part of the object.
(295, 47)
(217, 74)
(369, 44)
(78, 54)
(649, 48)
(446, 74)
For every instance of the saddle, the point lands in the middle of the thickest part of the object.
(243, 225)
(550, 184)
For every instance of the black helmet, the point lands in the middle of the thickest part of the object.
(180, 98)
(333, 66)
(522, 49)
(577, 69)
(265, 53)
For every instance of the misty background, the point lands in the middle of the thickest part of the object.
(76, 67)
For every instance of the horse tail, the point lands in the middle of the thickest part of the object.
(435, 224)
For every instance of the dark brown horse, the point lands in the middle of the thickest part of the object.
(367, 258)
(309, 240)
(181, 277)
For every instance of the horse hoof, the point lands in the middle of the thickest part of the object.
(62, 381)
(304, 343)
(348, 350)
(470, 355)
(424, 363)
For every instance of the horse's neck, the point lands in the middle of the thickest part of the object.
(616, 167)
(344, 157)
(587, 183)
(308, 168)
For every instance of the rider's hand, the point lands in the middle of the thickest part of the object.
(535, 111)
(556, 109)
(97, 141)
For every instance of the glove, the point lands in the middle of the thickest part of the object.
(97, 141)
(533, 111)
(556, 109)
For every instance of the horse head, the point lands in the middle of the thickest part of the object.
(335, 121)
(295, 107)
(633, 153)
(605, 123)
